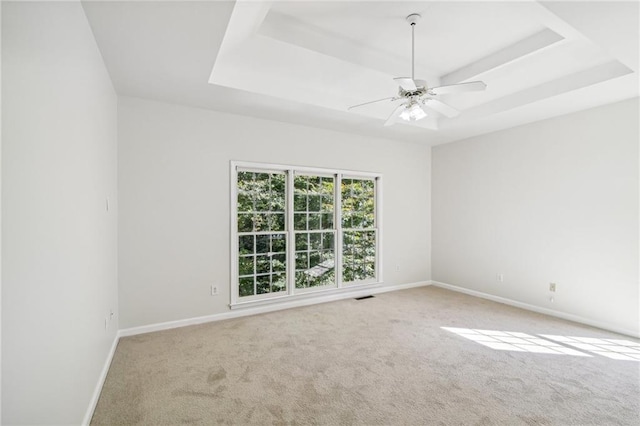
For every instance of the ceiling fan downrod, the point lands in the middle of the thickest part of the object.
(413, 20)
(415, 94)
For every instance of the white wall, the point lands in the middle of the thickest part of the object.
(553, 201)
(59, 244)
(174, 189)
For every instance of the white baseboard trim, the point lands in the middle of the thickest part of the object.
(103, 375)
(375, 289)
(538, 309)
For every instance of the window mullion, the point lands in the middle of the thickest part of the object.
(291, 237)
(235, 288)
(337, 221)
(377, 221)
(255, 265)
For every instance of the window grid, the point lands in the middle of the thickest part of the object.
(315, 259)
(314, 234)
(263, 269)
(359, 232)
(313, 202)
(261, 232)
(308, 206)
(259, 210)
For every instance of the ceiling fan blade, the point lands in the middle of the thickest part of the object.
(471, 86)
(394, 115)
(406, 83)
(393, 98)
(441, 107)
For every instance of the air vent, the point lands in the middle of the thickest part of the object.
(364, 297)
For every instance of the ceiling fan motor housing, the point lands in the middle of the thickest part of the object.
(415, 93)
(421, 89)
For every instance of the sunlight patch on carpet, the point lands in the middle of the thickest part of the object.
(610, 348)
(514, 341)
(619, 349)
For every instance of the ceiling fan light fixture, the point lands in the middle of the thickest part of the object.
(413, 112)
(415, 93)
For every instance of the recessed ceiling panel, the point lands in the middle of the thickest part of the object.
(449, 35)
(306, 62)
(337, 54)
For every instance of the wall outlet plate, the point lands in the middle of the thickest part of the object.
(552, 287)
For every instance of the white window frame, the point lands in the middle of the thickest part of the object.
(292, 293)
(375, 229)
(334, 231)
(258, 297)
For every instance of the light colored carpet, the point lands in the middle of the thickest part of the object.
(384, 360)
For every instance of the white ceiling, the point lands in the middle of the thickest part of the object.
(305, 62)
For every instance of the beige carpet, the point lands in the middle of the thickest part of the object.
(385, 360)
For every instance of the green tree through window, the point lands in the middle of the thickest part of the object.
(288, 224)
(262, 243)
(359, 234)
(313, 200)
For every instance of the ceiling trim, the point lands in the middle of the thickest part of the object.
(509, 54)
(568, 83)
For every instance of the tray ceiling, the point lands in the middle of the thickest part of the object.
(306, 62)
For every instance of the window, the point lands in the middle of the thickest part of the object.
(262, 242)
(359, 230)
(313, 223)
(298, 230)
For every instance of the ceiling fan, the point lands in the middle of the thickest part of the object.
(417, 96)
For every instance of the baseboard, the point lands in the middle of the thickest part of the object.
(376, 289)
(101, 379)
(538, 309)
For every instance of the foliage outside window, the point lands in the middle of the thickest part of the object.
(293, 226)
(262, 243)
(359, 234)
(313, 200)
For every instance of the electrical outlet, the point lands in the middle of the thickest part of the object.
(500, 277)
(397, 268)
(214, 290)
(552, 287)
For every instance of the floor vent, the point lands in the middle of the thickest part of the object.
(364, 297)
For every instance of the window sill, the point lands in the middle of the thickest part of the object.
(329, 294)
